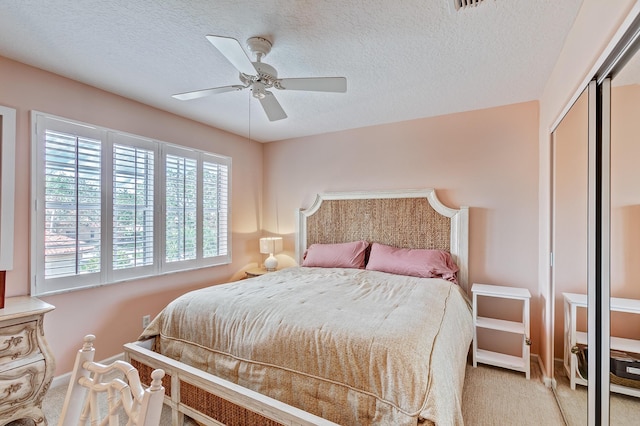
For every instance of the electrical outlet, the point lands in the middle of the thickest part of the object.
(146, 320)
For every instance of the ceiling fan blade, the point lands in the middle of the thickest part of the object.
(206, 92)
(232, 50)
(315, 84)
(272, 107)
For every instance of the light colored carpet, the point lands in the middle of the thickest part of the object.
(492, 396)
(495, 396)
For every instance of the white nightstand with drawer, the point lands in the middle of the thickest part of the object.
(521, 363)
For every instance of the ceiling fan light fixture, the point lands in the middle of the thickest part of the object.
(258, 90)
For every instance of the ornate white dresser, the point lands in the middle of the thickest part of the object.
(26, 363)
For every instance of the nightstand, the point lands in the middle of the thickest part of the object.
(26, 364)
(255, 272)
(522, 328)
(574, 337)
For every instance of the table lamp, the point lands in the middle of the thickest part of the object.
(270, 245)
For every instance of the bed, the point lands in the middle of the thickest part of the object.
(327, 343)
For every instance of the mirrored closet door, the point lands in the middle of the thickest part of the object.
(624, 235)
(570, 142)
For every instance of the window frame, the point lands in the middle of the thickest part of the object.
(40, 285)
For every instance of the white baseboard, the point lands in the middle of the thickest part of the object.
(549, 382)
(63, 379)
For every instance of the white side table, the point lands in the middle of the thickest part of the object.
(522, 328)
(255, 272)
(573, 337)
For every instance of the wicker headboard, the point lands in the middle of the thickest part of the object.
(411, 219)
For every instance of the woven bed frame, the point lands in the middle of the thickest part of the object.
(412, 219)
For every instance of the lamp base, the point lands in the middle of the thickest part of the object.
(271, 263)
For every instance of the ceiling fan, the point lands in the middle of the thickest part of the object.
(259, 76)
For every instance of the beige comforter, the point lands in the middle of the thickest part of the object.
(356, 347)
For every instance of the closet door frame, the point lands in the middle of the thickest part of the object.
(598, 247)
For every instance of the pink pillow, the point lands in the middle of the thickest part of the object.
(413, 262)
(343, 255)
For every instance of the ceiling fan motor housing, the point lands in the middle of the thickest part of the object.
(265, 71)
(267, 77)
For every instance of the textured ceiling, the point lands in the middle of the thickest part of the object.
(630, 73)
(402, 59)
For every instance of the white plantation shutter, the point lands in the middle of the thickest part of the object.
(109, 206)
(72, 217)
(133, 206)
(215, 206)
(196, 208)
(181, 181)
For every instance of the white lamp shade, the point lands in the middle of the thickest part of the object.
(270, 245)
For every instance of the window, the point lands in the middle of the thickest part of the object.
(110, 206)
(72, 204)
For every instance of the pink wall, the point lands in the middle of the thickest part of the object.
(114, 313)
(484, 159)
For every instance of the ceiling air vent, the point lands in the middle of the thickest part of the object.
(464, 4)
